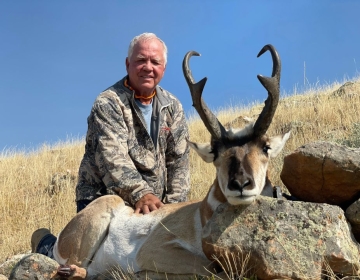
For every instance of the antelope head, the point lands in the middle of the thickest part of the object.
(241, 157)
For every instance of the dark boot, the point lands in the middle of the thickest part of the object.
(42, 242)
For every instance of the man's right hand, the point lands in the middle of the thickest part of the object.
(147, 204)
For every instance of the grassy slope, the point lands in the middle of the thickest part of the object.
(37, 190)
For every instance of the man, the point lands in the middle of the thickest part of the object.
(136, 140)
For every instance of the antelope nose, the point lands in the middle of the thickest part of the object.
(235, 185)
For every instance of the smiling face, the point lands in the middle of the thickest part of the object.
(146, 66)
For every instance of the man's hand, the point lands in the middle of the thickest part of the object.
(71, 272)
(147, 204)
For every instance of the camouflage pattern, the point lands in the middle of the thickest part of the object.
(120, 155)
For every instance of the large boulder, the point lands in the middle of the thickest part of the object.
(323, 172)
(279, 239)
(9, 264)
(353, 215)
(35, 267)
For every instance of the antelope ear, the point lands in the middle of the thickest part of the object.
(203, 150)
(277, 143)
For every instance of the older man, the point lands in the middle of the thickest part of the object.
(136, 140)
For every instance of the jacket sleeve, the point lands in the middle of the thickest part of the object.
(177, 158)
(116, 168)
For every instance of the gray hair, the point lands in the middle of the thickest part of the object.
(144, 37)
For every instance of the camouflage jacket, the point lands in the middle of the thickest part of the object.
(120, 155)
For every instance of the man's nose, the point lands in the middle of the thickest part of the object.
(147, 66)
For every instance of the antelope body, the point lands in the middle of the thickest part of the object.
(108, 234)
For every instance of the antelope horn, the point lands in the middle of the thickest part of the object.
(212, 124)
(272, 85)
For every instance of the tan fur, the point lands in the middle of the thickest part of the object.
(160, 251)
(81, 237)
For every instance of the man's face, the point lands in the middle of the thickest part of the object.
(146, 66)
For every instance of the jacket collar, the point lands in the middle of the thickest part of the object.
(161, 96)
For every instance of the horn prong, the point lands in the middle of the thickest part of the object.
(272, 85)
(212, 124)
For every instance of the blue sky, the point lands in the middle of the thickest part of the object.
(57, 56)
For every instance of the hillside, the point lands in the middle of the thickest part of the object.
(37, 189)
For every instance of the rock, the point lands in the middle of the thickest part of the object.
(353, 215)
(8, 265)
(35, 267)
(279, 239)
(59, 182)
(347, 90)
(239, 122)
(39, 267)
(323, 172)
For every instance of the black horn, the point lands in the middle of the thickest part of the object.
(212, 124)
(272, 85)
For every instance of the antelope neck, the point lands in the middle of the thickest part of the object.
(212, 200)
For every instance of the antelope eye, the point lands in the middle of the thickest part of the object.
(266, 149)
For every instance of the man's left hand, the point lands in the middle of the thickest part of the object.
(147, 204)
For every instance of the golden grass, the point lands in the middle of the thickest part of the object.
(37, 189)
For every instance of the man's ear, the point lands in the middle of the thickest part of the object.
(163, 72)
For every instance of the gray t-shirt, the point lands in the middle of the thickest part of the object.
(146, 111)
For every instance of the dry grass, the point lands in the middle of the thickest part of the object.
(37, 189)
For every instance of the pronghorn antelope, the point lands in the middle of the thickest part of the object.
(107, 234)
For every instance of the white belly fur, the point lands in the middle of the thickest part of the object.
(137, 242)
